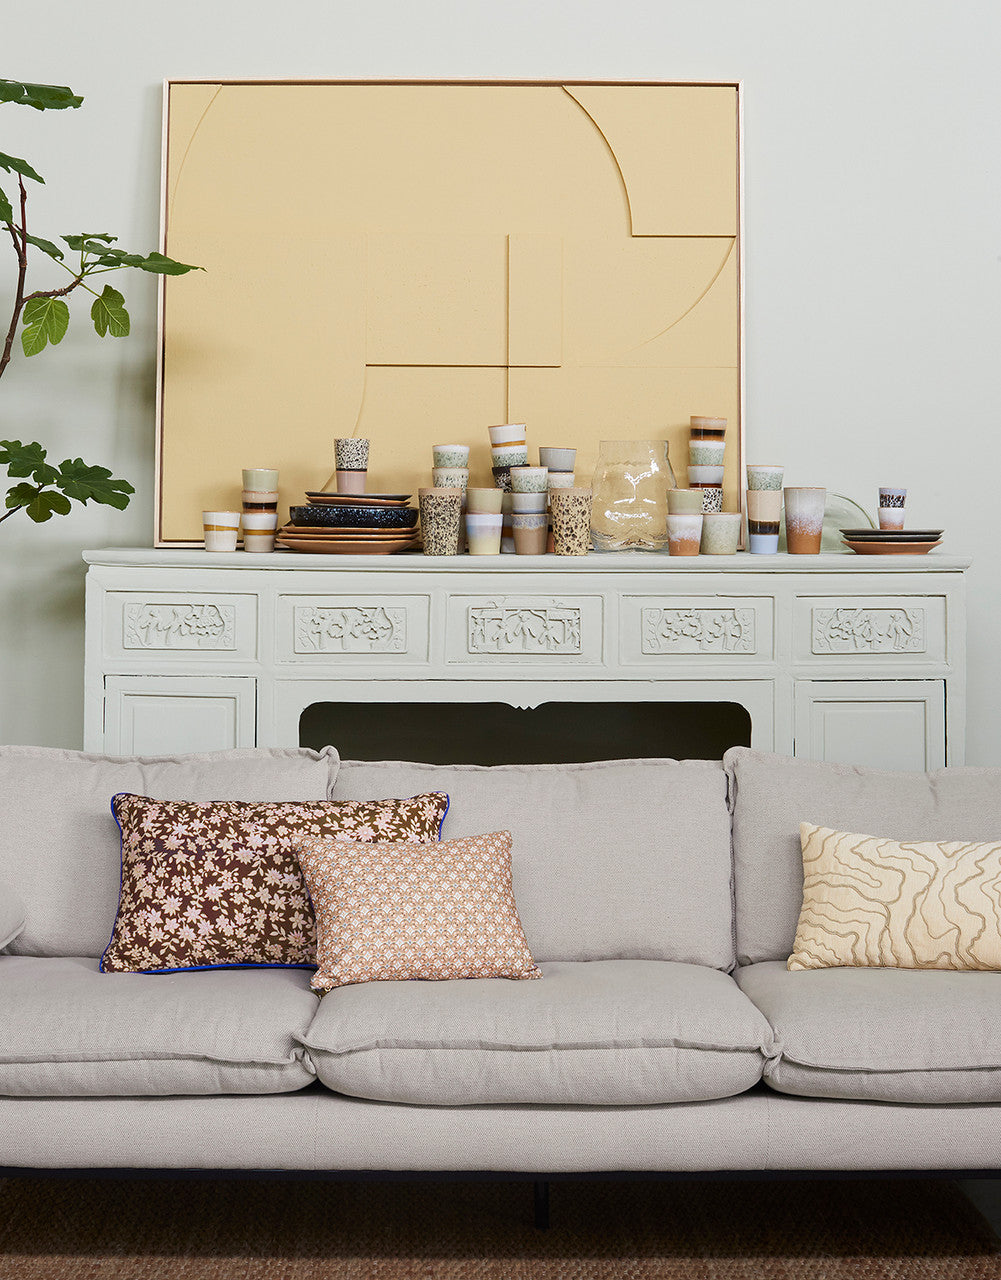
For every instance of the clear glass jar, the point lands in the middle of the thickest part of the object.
(629, 503)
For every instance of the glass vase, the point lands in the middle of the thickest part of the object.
(629, 506)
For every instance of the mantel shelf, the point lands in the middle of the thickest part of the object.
(618, 562)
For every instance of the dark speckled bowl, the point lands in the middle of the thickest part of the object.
(355, 517)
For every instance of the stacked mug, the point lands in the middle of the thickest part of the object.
(764, 508)
(260, 509)
(529, 506)
(706, 451)
(351, 461)
(451, 471)
(484, 520)
(508, 448)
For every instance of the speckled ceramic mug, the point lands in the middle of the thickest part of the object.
(571, 509)
(441, 511)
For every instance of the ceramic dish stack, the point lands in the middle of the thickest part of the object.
(891, 542)
(352, 524)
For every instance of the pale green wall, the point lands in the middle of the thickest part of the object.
(873, 262)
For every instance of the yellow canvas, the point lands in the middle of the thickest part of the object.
(414, 262)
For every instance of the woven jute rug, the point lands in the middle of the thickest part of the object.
(266, 1230)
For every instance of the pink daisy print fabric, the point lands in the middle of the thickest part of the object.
(211, 885)
(390, 912)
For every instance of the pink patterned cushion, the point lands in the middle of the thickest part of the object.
(209, 885)
(390, 912)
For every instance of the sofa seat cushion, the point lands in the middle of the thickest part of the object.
(67, 1029)
(604, 1032)
(603, 853)
(886, 1035)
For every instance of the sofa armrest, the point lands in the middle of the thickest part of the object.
(12, 914)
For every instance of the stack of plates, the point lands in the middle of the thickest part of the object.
(349, 524)
(891, 542)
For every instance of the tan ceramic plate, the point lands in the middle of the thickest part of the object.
(892, 548)
(358, 499)
(348, 546)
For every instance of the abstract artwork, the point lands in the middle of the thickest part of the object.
(412, 261)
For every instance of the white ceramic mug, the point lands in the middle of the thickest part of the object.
(221, 529)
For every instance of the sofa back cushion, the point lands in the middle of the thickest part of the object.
(59, 845)
(771, 795)
(610, 861)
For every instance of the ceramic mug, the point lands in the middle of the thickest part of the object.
(260, 500)
(707, 428)
(571, 521)
(221, 529)
(450, 455)
(450, 478)
(684, 534)
(891, 508)
(259, 531)
(508, 433)
(764, 476)
(804, 520)
(530, 531)
(351, 453)
(703, 477)
(764, 511)
(529, 503)
(441, 513)
(481, 501)
(260, 478)
(529, 479)
(557, 459)
(483, 530)
(684, 501)
(706, 453)
(720, 533)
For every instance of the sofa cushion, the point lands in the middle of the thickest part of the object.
(206, 885)
(12, 914)
(771, 795)
(916, 904)
(615, 860)
(888, 1035)
(404, 912)
(59, 845)
(67, 1029)
(602, 1033)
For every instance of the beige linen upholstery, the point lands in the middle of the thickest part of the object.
(601, 1033)
(911, 905)
(12, 914)
(59, 844)
(888, 1035)
(615, 860)
(67, 1029)
(317, 1129)
(771, 795)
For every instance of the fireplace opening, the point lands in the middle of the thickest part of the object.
(553, 733)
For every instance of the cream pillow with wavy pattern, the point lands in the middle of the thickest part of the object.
(895, 904)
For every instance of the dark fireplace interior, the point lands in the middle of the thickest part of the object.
(553, 733)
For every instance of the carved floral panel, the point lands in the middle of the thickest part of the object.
(698, 631)
(854, 630)
(350, 629)
(179, 626)
(514, 628)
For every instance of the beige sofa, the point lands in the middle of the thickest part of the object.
(660, 899)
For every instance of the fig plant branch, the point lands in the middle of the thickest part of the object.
(44, 316)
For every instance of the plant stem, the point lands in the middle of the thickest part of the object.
(21, 249)
(13, 511)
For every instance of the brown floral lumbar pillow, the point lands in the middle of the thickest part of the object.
(391, 912)
(213, 885)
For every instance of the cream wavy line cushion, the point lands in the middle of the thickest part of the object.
(896, 904)
(395, 912)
